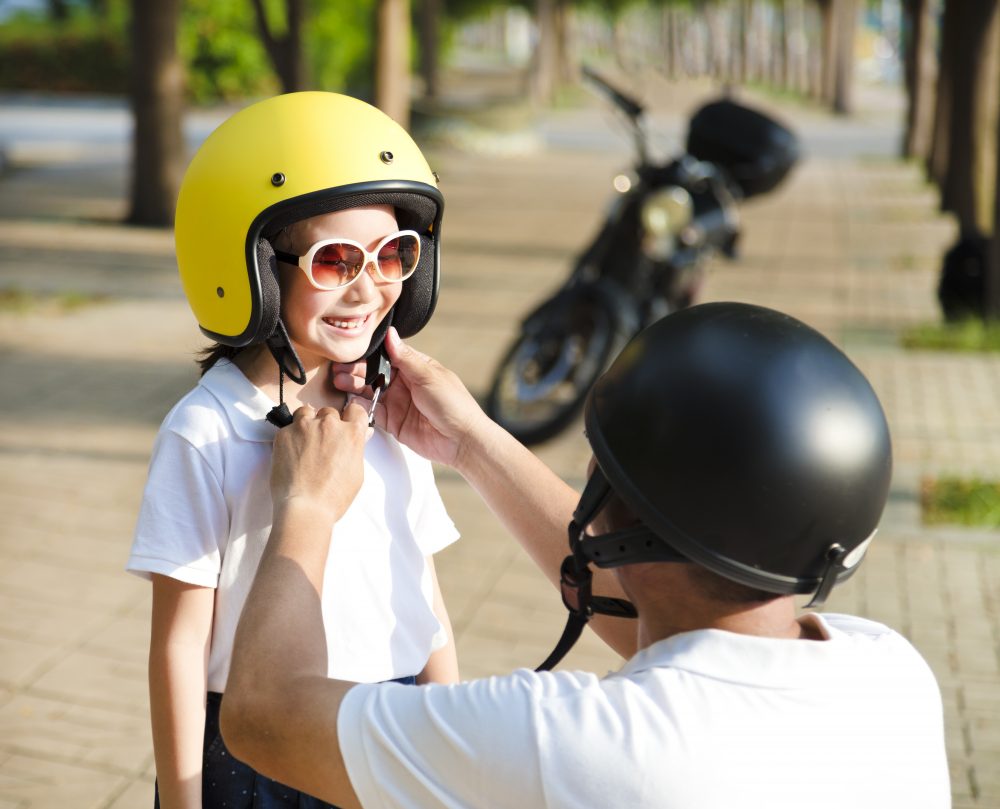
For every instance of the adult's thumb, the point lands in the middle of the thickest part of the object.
(410, 362)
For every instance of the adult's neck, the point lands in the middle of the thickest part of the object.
(669, 603)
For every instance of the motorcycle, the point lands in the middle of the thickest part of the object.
(647, 259)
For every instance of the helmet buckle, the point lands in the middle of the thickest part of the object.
(834, 567)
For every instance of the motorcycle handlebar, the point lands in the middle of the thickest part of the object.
(632, 108)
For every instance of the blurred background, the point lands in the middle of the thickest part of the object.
(884, 237)
(167, 66)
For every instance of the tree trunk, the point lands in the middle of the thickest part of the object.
(971, 63)
(157, 97)
(991, 292)
(986, 124)
(744, 24)
(843, 90)
(566, 66)
(937, 160)
(718, 65)
(392, 60)
(830, 32)
(816, 49)
(285, 52)
(781, 58)
(801, 52)
(921, 73)
(667, 24)
(543, 74)
(430, 39)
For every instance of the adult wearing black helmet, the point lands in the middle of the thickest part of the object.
(739, 459)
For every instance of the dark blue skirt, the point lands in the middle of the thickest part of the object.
(227, 783)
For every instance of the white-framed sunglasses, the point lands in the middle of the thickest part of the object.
(337, 263)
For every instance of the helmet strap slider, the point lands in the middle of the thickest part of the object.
(279, 415)
(834, 567)
(377, 375)
(575, 578)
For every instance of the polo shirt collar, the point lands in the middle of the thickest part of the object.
(245, 404)
(745, 659)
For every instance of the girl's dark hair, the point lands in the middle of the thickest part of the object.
(207, 357)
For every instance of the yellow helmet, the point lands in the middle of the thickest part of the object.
(278, 161)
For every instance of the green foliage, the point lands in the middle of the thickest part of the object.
(958, 501)
(968, 335)
(339, 46)
(79, 55)
(224, 56)
(218, 41)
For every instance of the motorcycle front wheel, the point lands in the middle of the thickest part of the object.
(545, 376)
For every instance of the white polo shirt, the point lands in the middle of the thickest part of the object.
(701, 720)
(206, 516)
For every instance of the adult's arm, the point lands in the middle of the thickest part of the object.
(429, 409)
(280, 710)
(178, 666)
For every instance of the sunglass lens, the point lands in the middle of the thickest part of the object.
(397, 259)
(336, 264)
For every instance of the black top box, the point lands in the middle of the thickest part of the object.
(754, 149)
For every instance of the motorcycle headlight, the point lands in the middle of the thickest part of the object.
(667, 212)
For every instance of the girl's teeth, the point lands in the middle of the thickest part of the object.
(344, 324)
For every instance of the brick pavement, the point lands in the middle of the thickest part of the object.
(848, 244)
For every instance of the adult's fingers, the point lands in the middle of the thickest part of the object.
(413, 364)
(356, 410)
(349, 377)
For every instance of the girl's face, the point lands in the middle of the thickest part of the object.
(336, 324)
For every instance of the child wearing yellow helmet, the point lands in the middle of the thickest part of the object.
(306, 225)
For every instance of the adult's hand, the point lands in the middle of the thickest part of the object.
(318, 459)
(426, 407)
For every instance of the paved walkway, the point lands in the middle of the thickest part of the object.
(850, 244)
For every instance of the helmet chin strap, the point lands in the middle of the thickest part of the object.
(575, 576)
(377, 375)
(288, 363)
(627, 546)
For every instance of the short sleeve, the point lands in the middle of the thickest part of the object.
(432, 527)
(425, 746)
(183, 522)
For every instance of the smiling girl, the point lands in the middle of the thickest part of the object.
(306, 224)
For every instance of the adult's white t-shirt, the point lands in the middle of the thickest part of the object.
(701, 720)
(206, 516)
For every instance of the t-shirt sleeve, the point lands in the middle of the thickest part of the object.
(183, 521)
(468, 745)
(432, 527)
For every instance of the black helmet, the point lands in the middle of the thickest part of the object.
(745, 442)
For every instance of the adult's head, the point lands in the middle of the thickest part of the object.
(745, 443)
(280, 161)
